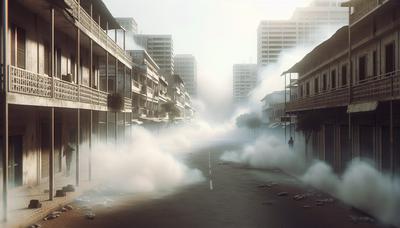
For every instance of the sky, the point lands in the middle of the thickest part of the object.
(219, 33)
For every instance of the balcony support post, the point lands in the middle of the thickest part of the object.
(90, 144)
(392, 169)
(285, 106)
(52, 72)
(350, 81)
(78, 139)
(4, 107)
(116, 91)
(107, 72)
(91, 79)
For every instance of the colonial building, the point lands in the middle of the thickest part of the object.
(65, 84)
(349, 89)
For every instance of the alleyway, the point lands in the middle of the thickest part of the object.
(231, 196)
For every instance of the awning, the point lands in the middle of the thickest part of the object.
(362, 107)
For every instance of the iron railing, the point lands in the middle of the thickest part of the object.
(29, 83)
(379, 88)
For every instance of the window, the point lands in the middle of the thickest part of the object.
(374, 64)
(308, 88)
(333, 79)
(344, 75)
(58, 63)
(390, 58)
(18, 47)
(47, 59)
(362, 68)
(324, 82)
(316, 85)
(301, 90)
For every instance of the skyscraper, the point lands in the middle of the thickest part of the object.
(244, 81)
(186, 67)
(306, 27)
(161, 49)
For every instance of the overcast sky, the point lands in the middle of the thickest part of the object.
(219, 33)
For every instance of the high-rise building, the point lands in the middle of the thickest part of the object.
(186, 67)
(306, 27)
(128, 23)
(244, 81)
(161, 49)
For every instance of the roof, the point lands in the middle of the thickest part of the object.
(334, 45)
(101, 8)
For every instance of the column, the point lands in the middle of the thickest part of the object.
(51, 155)
(78, 124)
(107, 92)
(90, 144)
(5, 108)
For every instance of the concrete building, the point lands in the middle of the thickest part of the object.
(128, 24)
(161, 49)
(186, 67)
(348, 102)
(244, 81)
(66, 85)
(306, 27)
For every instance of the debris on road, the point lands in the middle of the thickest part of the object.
(268, 185)
(90, 215)
(299, 197)
(306, 206)
(35, 226)
(68, 207)
(282, 194)
(34, 204)
(361, 219)
(52, 215)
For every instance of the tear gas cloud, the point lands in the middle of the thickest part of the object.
(151, 161)
(361, 185)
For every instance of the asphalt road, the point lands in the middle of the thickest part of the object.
(231, 196)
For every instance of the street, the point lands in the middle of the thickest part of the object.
(230, 196)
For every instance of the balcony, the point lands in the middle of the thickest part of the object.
(136, 86)
(93, 30)
(127, 104)
(150, 92)
(26, 87)
(380, 88)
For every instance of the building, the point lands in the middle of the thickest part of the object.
(128, 24)
(349, 92)
(306, 27)
(66, 86)
(161, 49)
(244, 81)
(145, 102)
(186, 67)
(273, 107)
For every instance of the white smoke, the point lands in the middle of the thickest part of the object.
(361, 185)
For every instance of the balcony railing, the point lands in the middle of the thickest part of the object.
(94, 28)
(127, 104)
(25, 82)
(379, 88)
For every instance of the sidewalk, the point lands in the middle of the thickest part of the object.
(20, 216)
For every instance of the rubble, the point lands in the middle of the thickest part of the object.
(52, 215)
(69, 188)
(68, 207)
(60, 193)
(299, 197)
(34, 204)
(306, 206)
(35, 226)
(282, 194)
(90, 215)
(268, 185)
(361, 219)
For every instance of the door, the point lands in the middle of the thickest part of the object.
(14, 160)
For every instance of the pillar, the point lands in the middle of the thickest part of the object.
(5, 107)
(90, 144)
(78, 139)
(51, 155)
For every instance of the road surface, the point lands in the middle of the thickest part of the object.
(231, 196)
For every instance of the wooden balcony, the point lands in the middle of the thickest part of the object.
(94, 31)
(380, 88)
(136, 87)
(29, 88)
(127, 104)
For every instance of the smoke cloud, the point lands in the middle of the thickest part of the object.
(361, 185)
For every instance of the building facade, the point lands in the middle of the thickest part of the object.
(244, 81)
(306, 27)
(349, 92)
(161, 49)
(66, 85)
(186, 67)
